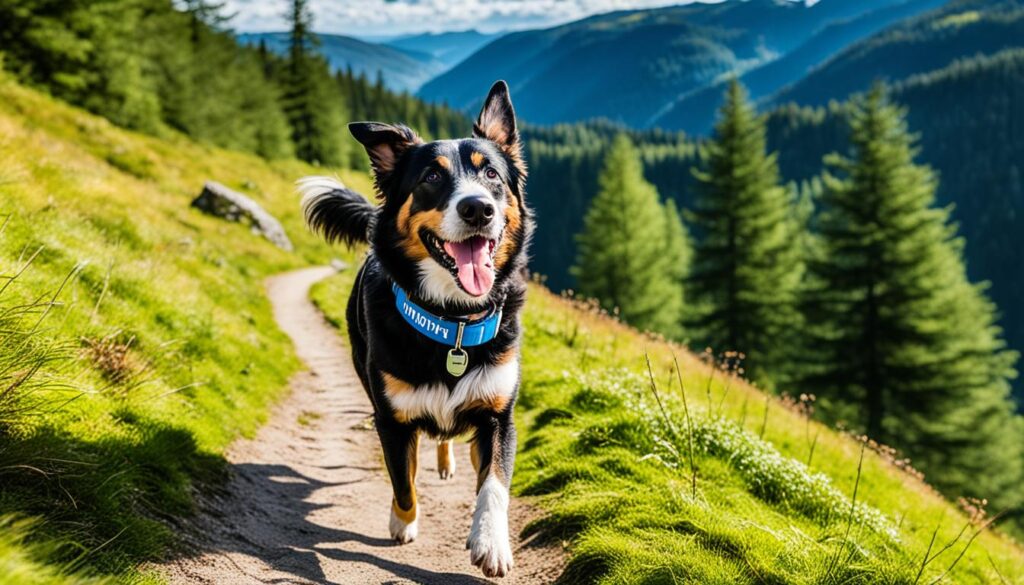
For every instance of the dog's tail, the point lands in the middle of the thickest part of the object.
(334, 211)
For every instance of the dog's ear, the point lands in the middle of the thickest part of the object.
(497, 122)
(385, 144)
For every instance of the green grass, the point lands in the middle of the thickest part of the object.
(612, 469)
(136, 341)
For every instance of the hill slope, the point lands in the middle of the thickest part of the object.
(401, 70)
(123, 385)
(627, 66)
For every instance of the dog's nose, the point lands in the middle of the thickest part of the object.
(476, 211)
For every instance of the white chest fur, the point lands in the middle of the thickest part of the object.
(480, 385)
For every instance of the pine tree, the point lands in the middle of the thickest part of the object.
(311, 98)
(622, 261)
(677, 252)
(746, 263)
(900, 334)
(259, 110)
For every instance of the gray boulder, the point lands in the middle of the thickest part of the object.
(219, 201)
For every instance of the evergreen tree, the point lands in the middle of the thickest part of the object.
(902, 337)
(622, 260)
(85, 52)
(746, 263)
(676, 249)
(264, 124)
(312, 102)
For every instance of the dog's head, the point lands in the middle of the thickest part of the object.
(453, 224)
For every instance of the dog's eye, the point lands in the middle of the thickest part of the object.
(491, 174)
(433, 177)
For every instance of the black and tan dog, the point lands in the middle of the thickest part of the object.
(434, 316)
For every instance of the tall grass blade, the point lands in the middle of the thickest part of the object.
(689, 427)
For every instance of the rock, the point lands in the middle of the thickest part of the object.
(219, 201)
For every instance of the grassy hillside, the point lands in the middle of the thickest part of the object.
(135, 338)
(777, 498)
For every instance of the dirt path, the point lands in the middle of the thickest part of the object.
(308, 500)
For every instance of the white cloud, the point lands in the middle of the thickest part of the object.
(393, 17)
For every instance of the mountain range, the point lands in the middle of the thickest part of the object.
(450, 48)
(403, 64)
(666, 67)
(695, 111)
(642, 67)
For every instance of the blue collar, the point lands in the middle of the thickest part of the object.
(445, 330)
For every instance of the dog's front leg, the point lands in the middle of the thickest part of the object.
(493, 454)
(400, 443)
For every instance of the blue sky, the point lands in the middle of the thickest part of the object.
(395, 17)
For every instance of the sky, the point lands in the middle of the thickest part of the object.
(370, 18)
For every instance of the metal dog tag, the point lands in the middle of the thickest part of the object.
(458, 360)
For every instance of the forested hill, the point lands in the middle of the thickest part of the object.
(565, 161)
(971, 123)
(967, 112)
(960, 29)
(629, 66)
(147, 66)
(959, 71)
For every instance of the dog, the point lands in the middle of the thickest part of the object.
(434, 316)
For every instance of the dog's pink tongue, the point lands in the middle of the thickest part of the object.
(474, 263)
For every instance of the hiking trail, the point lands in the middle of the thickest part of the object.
(308, 497)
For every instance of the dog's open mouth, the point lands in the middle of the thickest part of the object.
(470, 261)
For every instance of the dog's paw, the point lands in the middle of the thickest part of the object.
(447, 472)
(488, 541)
(492, 553)
(403, 531)
(445, 460)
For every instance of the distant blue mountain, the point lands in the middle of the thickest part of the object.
(401, 69)
(631, 66)
(450, 48)
(694, 113)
